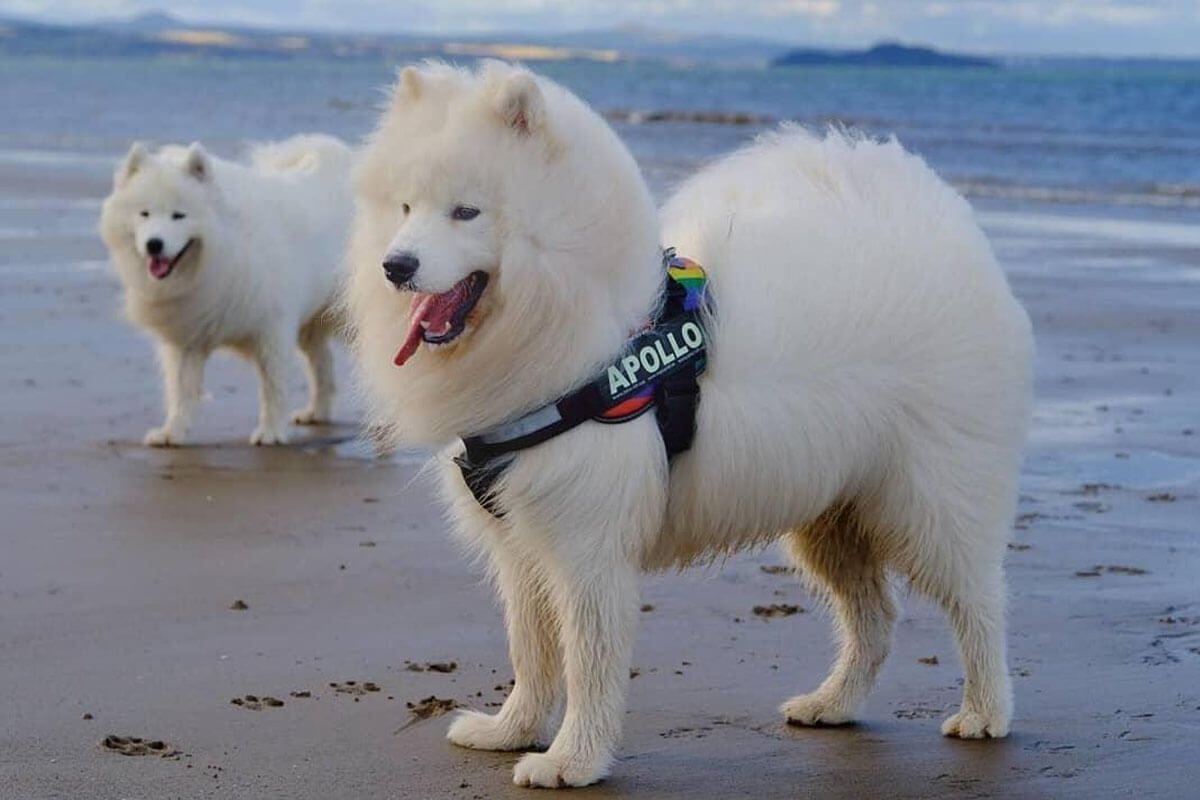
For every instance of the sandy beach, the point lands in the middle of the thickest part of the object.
(142, 591)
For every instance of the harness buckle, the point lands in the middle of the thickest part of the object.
(481, 478)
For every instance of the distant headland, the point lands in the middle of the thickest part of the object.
(885, 54)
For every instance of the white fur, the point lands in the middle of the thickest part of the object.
(259, 278)
(865, 402)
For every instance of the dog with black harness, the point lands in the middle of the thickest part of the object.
(848, 375)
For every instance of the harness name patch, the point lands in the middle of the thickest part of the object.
(668, 347)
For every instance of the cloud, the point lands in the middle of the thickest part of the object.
(69, 9)
(785, 8)
(1067, 12)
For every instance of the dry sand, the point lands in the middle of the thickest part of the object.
(121, 569)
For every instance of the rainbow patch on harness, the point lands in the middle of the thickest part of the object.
(691, 277)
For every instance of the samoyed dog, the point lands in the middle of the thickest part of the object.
(865, 401)
(217, 254)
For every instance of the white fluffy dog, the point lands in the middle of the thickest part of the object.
(865, 401)
(217, 254)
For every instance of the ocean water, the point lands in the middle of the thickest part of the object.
(1096, 133)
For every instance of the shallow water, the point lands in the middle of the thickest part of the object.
(1058, 132)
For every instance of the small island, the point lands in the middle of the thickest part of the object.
(886, 54)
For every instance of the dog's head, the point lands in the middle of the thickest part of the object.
(154, 219)
(504, 245)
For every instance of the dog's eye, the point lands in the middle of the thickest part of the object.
(178, 215)
(145, 214)
(405, 209)
(464, 213)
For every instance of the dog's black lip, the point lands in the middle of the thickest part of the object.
(182, 252)
(479, 282)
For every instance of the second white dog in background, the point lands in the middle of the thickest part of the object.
(217, 254)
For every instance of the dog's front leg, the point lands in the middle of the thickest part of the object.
(596, 595)
(183, 381)
(318, 358)
(533, 648)
(271, 359)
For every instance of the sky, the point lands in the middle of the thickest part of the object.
(1100, 27)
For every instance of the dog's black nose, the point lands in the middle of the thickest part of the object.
(400, 268)
(154, 246)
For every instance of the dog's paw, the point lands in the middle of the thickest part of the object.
(311, 416)
(480, 731)
(266, 436)
(974, 725)
(817, 708)
(548, 771)
(163, 437)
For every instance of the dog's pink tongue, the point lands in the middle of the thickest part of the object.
(159, 266)
(432, 313)
(441, 309)
(416, 314)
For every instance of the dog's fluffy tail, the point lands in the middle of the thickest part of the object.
(307, 153)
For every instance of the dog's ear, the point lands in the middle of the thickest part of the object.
(132, 163)
(520, 104)
(409, 85)
(196, 163)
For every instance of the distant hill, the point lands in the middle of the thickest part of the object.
(655, 44)
(158, 33)
(147, 22)
(886, 54)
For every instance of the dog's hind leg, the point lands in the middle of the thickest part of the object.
(970, 588)
(533, 648)
(954, 553)
(183, 381)
(318, 362)
(270, 356)
(840, 560)
(977, 616)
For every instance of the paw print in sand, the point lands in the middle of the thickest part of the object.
(137, 746)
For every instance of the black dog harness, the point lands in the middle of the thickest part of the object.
(658, 367)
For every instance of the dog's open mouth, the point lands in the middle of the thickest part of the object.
(438, 319)
(161, 266)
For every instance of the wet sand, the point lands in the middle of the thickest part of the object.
(123, 572)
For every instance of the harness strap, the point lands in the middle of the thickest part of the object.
(675, 401)
(677, 395)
